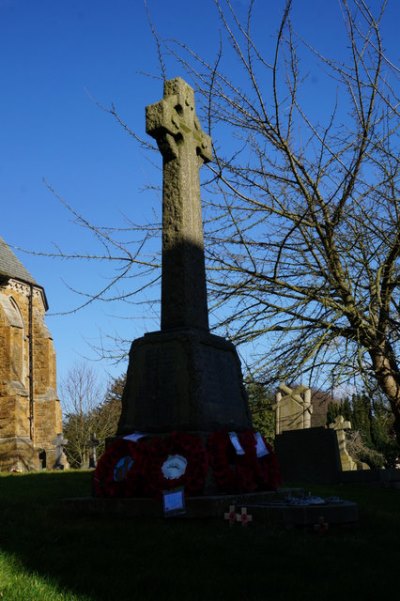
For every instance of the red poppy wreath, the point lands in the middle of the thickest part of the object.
(267, 471)
(120, 471)
(179, 459)
(245, 472)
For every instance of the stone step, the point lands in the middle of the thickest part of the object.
(285, 507)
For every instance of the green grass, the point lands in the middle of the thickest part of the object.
(17, 584)
(49, 555)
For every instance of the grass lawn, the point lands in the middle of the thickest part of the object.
(47, 555)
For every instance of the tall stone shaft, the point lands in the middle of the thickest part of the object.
(184, 147)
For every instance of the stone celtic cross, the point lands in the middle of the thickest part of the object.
(184, 147)
(182, 378)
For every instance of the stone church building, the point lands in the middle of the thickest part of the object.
(30, 412)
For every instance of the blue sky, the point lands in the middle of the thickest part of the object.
(56, 58)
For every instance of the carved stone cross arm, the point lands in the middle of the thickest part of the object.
(340, 423)
(173, 119)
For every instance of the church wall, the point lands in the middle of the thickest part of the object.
(21, 443)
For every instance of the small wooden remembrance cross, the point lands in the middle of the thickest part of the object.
(231, 515)
(243, 517)
(184, 147)
(321, 526)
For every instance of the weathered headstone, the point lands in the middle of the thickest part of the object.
(293, 408)
(182, 377)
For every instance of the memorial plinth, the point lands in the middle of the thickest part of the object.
(183, 380)
(182, 377)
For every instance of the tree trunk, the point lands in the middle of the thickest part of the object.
(387, 374)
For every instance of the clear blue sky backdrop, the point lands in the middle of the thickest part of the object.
(55, 57)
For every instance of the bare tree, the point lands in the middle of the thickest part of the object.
(80, 395)
(304, 229)
(302, 217)
(106, 416)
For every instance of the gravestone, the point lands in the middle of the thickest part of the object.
(93, 443)
(60, 460)
(293, 408)
(182, 377)
(310, 455)
(340, 425)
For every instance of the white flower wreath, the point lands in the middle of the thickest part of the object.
(174, 467)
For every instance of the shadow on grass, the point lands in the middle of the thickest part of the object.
(143, 559)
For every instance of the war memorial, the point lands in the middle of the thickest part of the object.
(185, 443)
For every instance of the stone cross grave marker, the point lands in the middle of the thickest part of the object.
(184, 147)
(293, 408)
(59, 443)
(92, 444)
(340, 425)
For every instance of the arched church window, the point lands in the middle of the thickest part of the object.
(19, 355)
(18, 321)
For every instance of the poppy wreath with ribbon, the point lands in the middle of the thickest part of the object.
(231, 472)
(179, 459)
(268, 472)
(266, 468)
(241, 473)
(120, 471)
